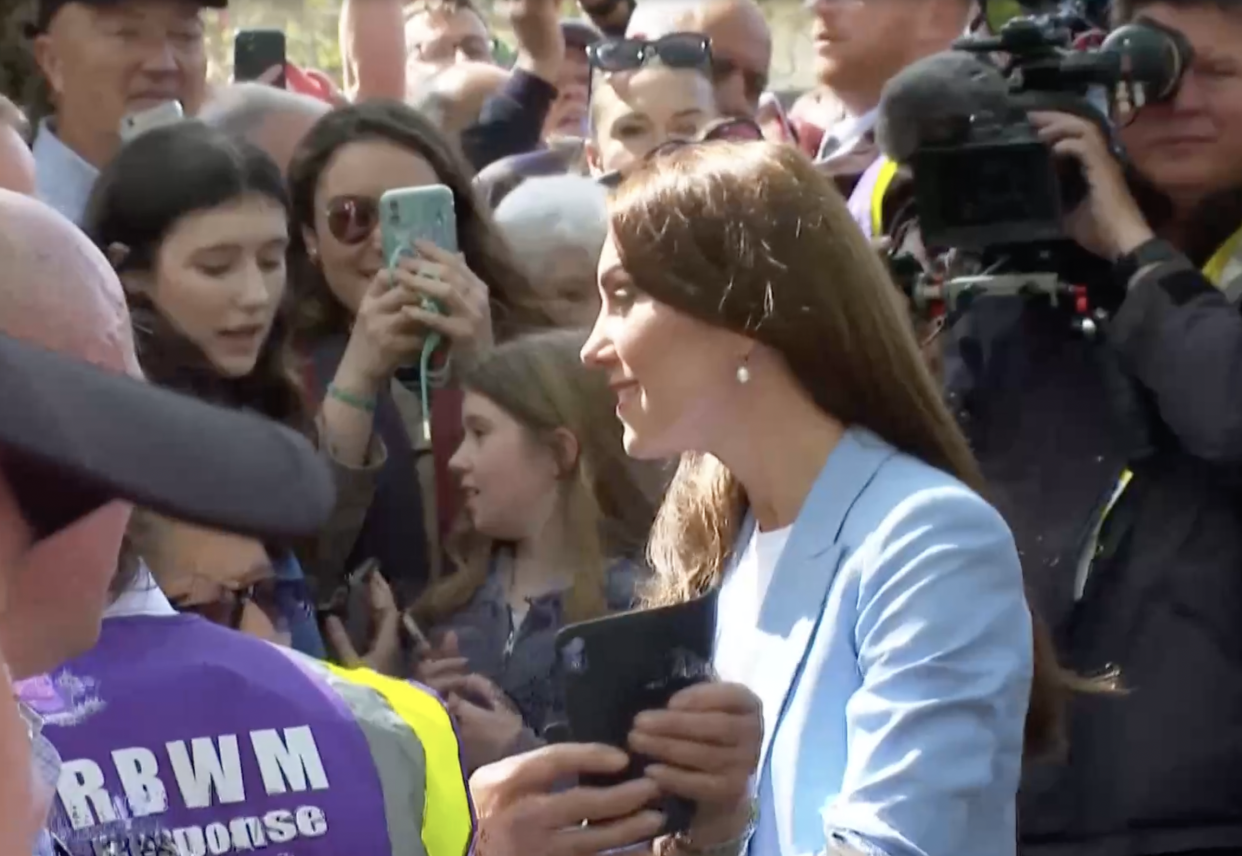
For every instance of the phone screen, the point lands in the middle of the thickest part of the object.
(256, 51)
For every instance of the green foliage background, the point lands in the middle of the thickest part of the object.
(311, 30)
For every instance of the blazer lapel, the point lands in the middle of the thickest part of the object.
(794, 602)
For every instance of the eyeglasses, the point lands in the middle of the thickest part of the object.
(230, 604)
(732, 129)
(352, 219)
(676, 50)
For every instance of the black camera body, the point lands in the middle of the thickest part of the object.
(997, 185)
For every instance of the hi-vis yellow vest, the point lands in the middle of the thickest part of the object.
(446, 826)
(888, 171)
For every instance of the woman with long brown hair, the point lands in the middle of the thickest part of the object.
(358, 331)
(869, 598)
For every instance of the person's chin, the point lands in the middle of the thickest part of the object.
(637, 445)
(825, 65)
(1183, 176)
(236, 365)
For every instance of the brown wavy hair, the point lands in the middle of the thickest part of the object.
(608, 500)
(319, 314)
(753, 238)
(155, 180)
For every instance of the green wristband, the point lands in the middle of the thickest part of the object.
(358, 402)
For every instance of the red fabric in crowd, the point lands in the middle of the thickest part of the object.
(311, 82)
(446, 436)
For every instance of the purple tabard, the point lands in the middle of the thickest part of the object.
(181, 738)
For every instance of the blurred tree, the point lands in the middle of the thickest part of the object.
(309, 27)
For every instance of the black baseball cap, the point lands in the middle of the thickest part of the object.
(74, 437)
(48, 8)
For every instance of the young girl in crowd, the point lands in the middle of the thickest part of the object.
(196, 224)
(553, 529)
(357, 330)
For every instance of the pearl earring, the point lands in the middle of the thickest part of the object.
(743, 374)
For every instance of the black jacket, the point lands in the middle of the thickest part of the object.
(1054, 418)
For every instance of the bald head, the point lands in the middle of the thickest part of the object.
(741, 43)
(453, 98)
(273, 119)
(59, 292)
(17, 171)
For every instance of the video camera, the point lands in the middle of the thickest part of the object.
(994, 183)
(989, 193)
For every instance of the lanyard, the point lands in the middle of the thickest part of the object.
(1216, 267)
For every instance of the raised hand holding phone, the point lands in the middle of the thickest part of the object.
(418, 230)
(259, 55)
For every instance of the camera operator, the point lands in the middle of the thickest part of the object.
(1119, 462)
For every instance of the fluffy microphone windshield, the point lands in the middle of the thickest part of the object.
(937, 100)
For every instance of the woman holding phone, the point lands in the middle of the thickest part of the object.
(359, 321)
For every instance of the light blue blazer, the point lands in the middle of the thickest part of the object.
(893, 656)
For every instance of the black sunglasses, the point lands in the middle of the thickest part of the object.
(676, 50)
(733, 129)
(227, 609)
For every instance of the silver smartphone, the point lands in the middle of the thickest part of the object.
(167, 113)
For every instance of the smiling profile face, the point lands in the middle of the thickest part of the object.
(674, 376)
(510, 482)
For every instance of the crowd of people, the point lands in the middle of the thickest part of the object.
(274, 579)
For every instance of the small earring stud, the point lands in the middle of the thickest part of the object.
(743, 374)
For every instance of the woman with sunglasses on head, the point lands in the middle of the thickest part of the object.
(870, 602)
(646, 94)
(359, 322)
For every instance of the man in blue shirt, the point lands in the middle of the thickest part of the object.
(102, 60)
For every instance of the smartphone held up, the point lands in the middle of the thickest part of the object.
(135, 124)
(256, 53)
